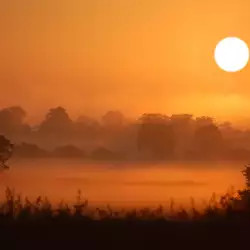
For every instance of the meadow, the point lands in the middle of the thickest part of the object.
(39, 222)
(133, 184)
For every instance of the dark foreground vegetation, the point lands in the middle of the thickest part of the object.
(221, 224)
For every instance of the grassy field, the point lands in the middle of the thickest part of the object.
(223, 223)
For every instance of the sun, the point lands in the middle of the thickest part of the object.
(231, 54)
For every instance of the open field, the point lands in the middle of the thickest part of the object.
(122, 184)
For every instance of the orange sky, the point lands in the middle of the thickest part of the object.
(134, 55)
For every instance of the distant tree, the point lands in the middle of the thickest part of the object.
(6, 149)
(238, 154)
(87, 121)
(204, 121)
(226, 129)
(209, 142)
(154, 118)
(156, 136)
(12, 120)
(181, 118)
(68, 151)
(113, 129)
(30, 151)
(102, 153)
(113, 119)
(57, 122)
(225, 125)
(87, 128)
(183, 125)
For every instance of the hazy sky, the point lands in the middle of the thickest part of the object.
(134, 55)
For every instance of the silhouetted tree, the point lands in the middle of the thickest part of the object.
(87, 128)
(102, 153)
(113, 129)
(183, 125)
(225, 127)
(156, 136)
(159, 135)
(6, 148)
(29, 150)
(113, 119)
(209, 142)
(154, 118)
(57, 122)
(238, 154)
(12, 121)
(68, 151)
(204, 121)
(88, 121)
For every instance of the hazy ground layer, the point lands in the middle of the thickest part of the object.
(121, 185)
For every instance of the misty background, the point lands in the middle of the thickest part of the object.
(67, 63)
(114, 136)
(137, 56)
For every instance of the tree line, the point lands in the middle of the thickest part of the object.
(150, 137)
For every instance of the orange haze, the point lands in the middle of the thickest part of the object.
(133, 55)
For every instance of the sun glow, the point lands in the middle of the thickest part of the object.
(231, 54)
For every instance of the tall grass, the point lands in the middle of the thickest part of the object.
(234, 204)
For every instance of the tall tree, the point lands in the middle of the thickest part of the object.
(87, 128)
(156, 136)
(57, 122)
(6, 149)
(183, 125)
(12, 120)
(113, 119)
(209, 142)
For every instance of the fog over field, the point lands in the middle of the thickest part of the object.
(121, 184)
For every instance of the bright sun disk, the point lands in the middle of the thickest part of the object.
(231, 54)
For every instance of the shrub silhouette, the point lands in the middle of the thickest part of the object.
(29, 150)
(147, 227)
(233, 205)
(102, 153)
(6, 148)
(68, 151)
